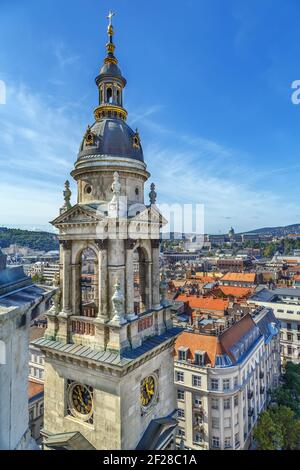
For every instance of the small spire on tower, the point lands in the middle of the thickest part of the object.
(110, 45)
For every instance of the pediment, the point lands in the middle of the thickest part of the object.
(151, 214)
(79, 214)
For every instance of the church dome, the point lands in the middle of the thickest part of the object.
(111, 137)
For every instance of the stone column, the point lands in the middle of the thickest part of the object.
(76, 294)
(148, 286)
(155, 274)
(103, 312)
(129, 281)
(66, 279)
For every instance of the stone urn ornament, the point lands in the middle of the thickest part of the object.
(163, 289)
(118, 305)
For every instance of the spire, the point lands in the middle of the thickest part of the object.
(110, 58)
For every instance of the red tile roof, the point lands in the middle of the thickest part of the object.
(204, 303)
(239, 277)
(236, 292)
(34, 388)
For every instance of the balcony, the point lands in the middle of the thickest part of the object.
(250, 394)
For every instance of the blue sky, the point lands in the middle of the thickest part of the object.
(209, 87)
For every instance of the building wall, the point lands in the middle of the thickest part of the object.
(118, 419)
(224, 428)
(13, 377)
(289, 316)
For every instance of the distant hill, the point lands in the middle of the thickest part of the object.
(277, 231)
(43, 241)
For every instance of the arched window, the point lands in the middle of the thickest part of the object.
(89, 283)
(140, 265)
(2, 352)
(109, 95)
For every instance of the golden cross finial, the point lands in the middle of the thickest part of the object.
(110, 16)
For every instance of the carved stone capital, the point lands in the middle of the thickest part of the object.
(66, 244)
(102, 244)
(155, 243)
(130, 244)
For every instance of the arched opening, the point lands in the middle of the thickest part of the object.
(2, 353)
(89, 283)
(109, 95)
(140, 270)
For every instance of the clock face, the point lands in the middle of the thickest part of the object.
(81, 399)
(148, 391)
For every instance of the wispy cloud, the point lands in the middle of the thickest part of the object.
(63, 56)
(40, 139)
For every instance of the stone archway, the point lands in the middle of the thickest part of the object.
(88, 283)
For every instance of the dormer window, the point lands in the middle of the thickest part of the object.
(200, 358)
(183, 354)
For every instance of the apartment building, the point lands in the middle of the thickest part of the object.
(36, 357)
(223, 379)
(285, 303)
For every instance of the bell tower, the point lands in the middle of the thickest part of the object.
(109, 342)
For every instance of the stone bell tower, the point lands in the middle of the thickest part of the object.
(109, 341)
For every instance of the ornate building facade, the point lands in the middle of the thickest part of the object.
(109, 342)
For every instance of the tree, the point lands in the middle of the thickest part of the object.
(267, 434)
(286, 420)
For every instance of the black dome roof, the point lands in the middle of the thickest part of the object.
(112, 137)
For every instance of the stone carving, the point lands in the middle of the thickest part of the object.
(67, 197)
(102, 244)
(118, 305)
(116, 186)
(163, 289)
(152, 194)
(56, 308)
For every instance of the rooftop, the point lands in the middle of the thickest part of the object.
(204, 303)
(240, 277)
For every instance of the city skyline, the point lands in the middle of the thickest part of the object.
(210, 136)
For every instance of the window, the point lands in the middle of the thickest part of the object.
(179, 376)
(198, 438)
(289, 350)
(199, 358)
(226, 384)
(215, 403)
(215, 422)
(180, 432)
(180, 395)
(226, 404)
(197, 401)
(289, 337)
(227, 422)
(227, 442)
(180, 414)
(216, 442)
(182, 354)
(289, 326)
(214, 384)
(196, 381)
(236, 381)
(236, 400)
(237, 438)
(298, 336)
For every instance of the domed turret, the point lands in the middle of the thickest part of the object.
(109, 144)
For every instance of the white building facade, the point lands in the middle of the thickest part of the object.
(220, 398)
